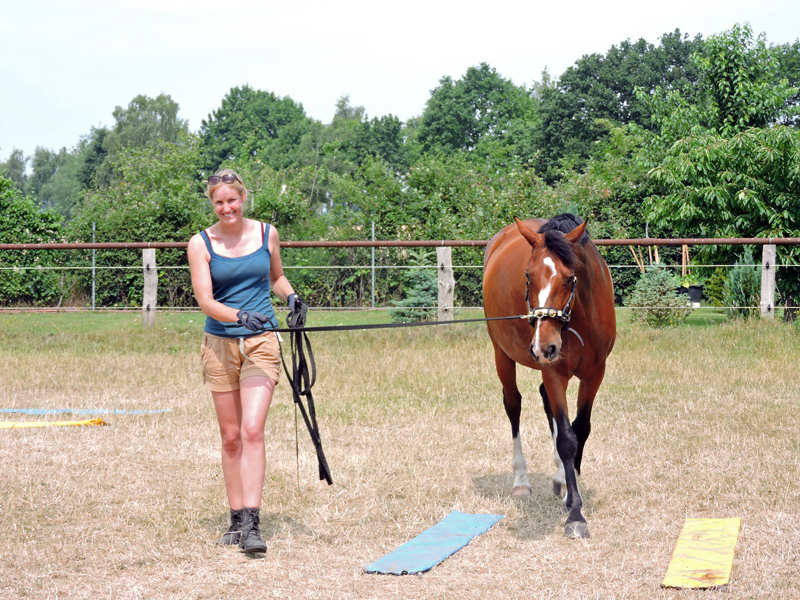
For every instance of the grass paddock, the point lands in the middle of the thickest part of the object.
(699, 421)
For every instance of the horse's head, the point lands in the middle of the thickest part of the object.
(551, 287)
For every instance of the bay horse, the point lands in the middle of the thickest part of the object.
(551, 272)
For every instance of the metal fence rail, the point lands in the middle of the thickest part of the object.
(768, 264)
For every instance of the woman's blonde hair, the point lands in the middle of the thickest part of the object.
(238, 185)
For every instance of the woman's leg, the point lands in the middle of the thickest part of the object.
(256, 397)
(229, 415)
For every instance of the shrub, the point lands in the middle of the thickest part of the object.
(742, 290)
(654, 300)
(714, 289)
(25, 278)
(422, 290)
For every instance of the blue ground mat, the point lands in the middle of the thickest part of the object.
(80, 411)
(433, 545)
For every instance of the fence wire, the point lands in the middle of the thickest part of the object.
(354, 267)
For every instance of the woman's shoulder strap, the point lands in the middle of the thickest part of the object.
(206, 239)
(264, 234)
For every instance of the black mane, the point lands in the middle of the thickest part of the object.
(555, 241)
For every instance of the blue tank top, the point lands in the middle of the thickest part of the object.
(241, 283)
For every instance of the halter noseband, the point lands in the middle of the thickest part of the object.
(542, 312)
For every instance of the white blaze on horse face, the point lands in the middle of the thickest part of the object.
(544, 296)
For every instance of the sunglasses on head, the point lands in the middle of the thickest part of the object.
(226, 178)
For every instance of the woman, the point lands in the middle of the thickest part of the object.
(234, 265)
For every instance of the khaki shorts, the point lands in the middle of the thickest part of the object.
(224, 366)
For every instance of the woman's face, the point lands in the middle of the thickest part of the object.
(228, 204)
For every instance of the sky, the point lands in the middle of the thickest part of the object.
(65, 66)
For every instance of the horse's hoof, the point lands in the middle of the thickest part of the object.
(557, 489)
(521, 491)
(576, 529)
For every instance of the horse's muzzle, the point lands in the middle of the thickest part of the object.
(546, 355)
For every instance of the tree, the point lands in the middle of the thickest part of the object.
(725, 170)
(54, 181)
(253, 123)
(145, 123)
(788, 57)
(93, 154)
(155, 197)
(739, 82)
(479, 112)
(22, 223)
(14, 169)
(603, 87)
(381, 138)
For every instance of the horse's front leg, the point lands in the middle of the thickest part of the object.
(582, 426)
(566, 447)
(559, 480)
(512, 402)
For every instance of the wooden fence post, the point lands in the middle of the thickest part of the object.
(447, 282)
(768, 258)
(150, 287)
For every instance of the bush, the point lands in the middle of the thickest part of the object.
(714, 289)
(654, 300)
(25, 277)
(422, 291)
(742, 290)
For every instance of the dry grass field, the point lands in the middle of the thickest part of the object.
(692, 422)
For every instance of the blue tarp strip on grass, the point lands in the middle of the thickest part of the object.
(80, 411)
(433, 545)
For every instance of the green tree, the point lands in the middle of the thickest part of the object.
(610, 192)
(22, 281)
(93, 154)
(55, 179)
(145, 123)
(480, 112)
(276, 197)
(788, 57)
(156, 196)
(725, 171)
(326, 151)
(603, 87)
(253, 123)
(14, 169)
(381, 138)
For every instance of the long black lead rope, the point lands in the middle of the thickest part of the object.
(392, 325)
(302, 379)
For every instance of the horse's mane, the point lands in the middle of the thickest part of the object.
(555, 241)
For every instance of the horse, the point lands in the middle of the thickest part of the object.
(550, 271)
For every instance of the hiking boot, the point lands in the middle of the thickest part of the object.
(251, 541)
(234, 533)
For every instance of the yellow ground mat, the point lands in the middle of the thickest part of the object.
(20, 424)
(703, 556)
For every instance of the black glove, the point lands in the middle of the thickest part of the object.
(297, 312)
(254, 321)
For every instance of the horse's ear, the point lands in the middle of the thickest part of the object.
(575, 235)
(534, 238)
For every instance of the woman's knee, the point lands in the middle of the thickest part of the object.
(252, 433)
(231, 440)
